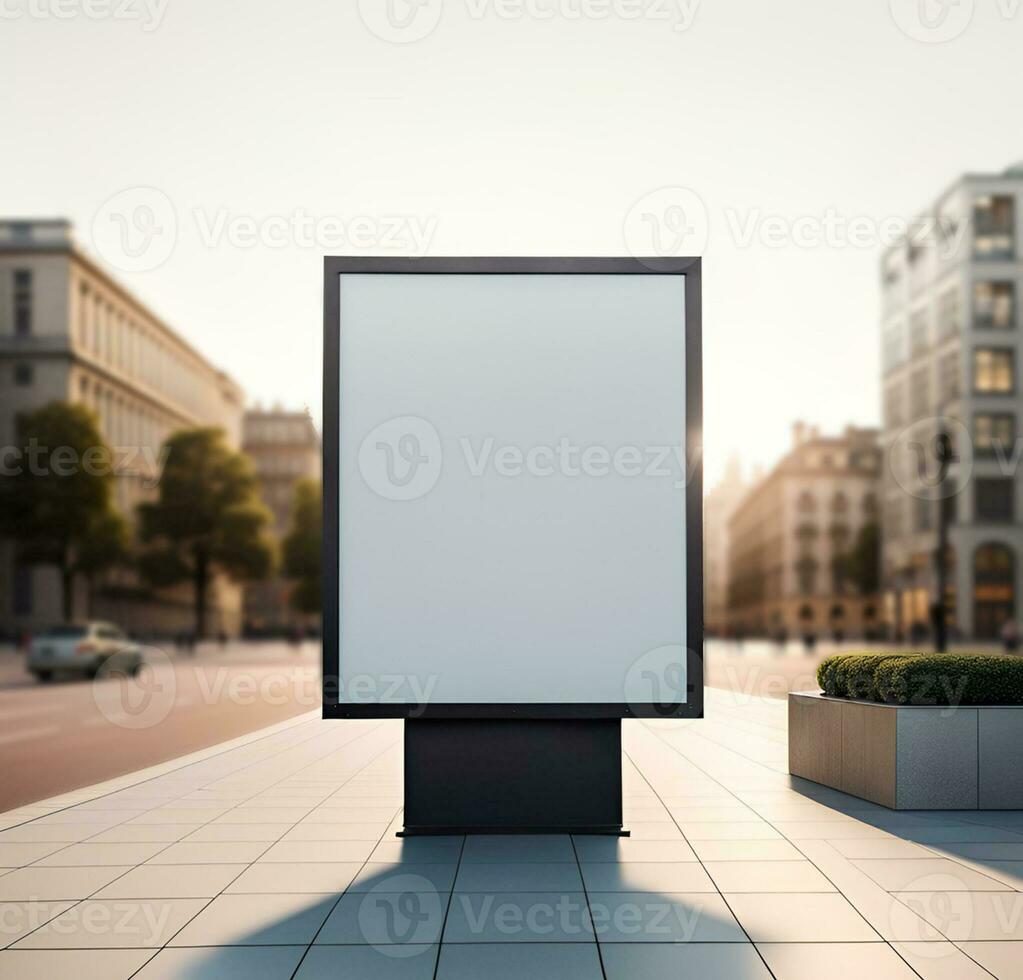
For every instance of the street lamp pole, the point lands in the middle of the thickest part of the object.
(943, 452)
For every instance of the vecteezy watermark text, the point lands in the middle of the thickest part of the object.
(409, 234)
(149, 13)
(39, 460)
(407, 21)
(402, 459)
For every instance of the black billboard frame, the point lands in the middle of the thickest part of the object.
(690, 268)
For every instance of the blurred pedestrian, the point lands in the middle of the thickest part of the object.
(1010, 635)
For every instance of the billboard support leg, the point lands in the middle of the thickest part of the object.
(513, 776)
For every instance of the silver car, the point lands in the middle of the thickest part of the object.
(83, 648)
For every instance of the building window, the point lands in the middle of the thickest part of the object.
(923, 516)
(893, 347)
(994, 305)
(993, 371)
(918, 340)
(23, 374)
(994, 589)
(994, 434)
(949, 313)
(893, 412)
(994, 222)
(993, 500)
(919, 393)
(22, 302)
(806, 505)
(948, 376)
(806, 573)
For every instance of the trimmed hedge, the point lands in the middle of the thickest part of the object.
(851, 675)
(940, 679)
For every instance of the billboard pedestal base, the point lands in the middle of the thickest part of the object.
(513, 776)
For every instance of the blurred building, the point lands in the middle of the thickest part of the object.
(797, 541)
(950, 350)
(718, 506)
(285, 448)
(70, 332)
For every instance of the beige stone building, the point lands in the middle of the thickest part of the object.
(718, 507)
(70, 332)
(791, 537)
(285, 448)
(950, 350)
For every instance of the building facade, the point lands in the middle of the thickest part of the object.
(718, 507)
(285, 448)
(951, 363)
(794, 538)
(69, 332)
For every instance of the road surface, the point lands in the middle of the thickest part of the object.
(61, 736)
(66, 734)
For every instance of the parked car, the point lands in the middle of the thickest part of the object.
(83, 648)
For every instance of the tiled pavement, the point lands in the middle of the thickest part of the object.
(274, 856)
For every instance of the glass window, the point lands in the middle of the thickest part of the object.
(949, 313)
(994, 227)
(923, 516)
(948, 376)
(22, 302)
(893, 401)
(994, 305)
(919, 393)
(918, 339)
(893, 351)
(23, 374)
(993, 499)
(993, 370)
(994, 433)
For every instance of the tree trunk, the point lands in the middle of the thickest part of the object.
(201, 584)
(67, 580)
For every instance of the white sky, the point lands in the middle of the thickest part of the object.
(528, 136)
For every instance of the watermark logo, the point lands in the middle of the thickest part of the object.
(932, 21)
(401, 459)
(400, 914)
(135, 688)
(941, 906)
(659, 679)
(667, 223)
(401, 21)
(136, 229)
(922, 457)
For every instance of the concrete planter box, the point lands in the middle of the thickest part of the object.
(909, 757)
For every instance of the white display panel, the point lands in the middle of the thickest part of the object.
(512, 488)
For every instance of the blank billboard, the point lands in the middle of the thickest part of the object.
(510, 480)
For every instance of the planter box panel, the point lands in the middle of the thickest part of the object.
(869, 752)
(815, 741)
(1001, 771)
(909, 757)
(937, 758)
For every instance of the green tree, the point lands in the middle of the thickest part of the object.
(207, 518)
(864, 561)
(303, 547)
(57, 496)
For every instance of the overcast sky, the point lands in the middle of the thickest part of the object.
(485, 127)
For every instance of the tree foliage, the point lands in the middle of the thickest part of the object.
(207, 518)
(303, 548)
(57, 495)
